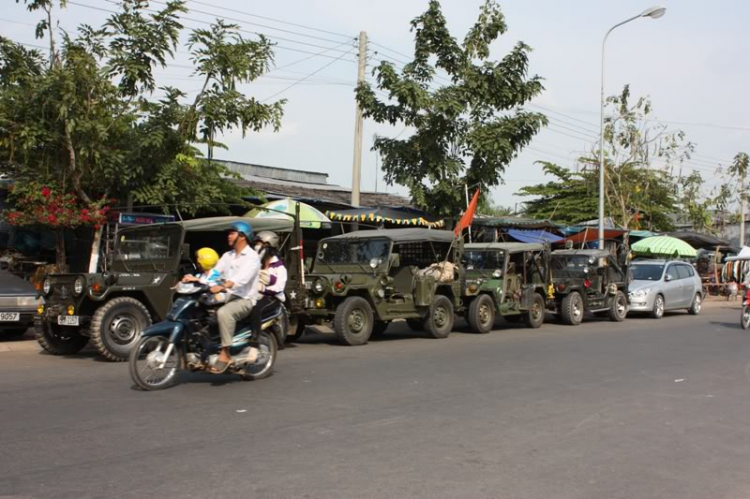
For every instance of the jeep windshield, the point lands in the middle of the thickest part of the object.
(484, 260)
(354, 252)
(572, 262)
(154, 243)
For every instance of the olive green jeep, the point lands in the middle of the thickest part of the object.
(363, 280)
(112, 308)
(507, 279)
(589, 280)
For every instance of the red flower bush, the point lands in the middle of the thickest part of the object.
(44, 205)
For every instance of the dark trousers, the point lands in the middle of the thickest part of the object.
(261, 309)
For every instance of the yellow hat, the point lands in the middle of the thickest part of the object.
(207, 258)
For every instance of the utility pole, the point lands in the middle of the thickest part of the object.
(743, 210)
(358, 123)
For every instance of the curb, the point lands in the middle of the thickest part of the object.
(19, 346)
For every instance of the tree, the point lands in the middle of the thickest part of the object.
(86, 120)
(466, 131)
(645, 186)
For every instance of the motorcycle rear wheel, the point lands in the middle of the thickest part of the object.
(145, 364)
(263, 366)
(745, 319)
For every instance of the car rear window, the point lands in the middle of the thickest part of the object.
(682, 272)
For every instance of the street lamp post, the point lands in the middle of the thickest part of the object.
(654, 13)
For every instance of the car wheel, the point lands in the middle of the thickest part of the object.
(353, 321)
(572, 309)
(117, 326)
(619, 309)
(59, 340)
(439, 321)
(695, 307)
(481, 316)
(658, 311)
(745, 319)
(534, 318)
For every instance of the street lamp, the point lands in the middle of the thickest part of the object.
(653, 13)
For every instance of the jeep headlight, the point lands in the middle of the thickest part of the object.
(46, 287)
(497, 274)
(79, 285)
(319, 286)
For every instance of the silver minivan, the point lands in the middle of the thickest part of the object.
(660, 285)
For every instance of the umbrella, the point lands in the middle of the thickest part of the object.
(664, 246)
(310, 218)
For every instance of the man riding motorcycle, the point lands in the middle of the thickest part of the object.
(240, 269)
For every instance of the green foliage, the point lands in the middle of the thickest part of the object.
(570, 199)
(466, 131)
(87, 122)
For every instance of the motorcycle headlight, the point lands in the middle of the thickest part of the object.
(47, 286)
(79, 285)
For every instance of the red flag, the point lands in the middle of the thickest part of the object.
(468, 214)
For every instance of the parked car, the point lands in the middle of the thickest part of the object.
(363, 280)
(588, 280)
(507, 279)
(18, 304)
(660, 285)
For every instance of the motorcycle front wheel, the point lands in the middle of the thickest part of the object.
(150, 367)
(263, 366)
(745, 319)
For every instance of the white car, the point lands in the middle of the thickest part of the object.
(18, 304)
(661, 285)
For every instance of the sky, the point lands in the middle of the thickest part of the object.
(692, 63)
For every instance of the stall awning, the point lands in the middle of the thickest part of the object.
(533, 236)
(587, 236)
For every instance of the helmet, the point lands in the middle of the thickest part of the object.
(243, 228)
(207, 258)
(269, 238)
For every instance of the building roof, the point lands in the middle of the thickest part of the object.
(309, 187)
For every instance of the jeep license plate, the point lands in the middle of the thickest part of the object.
(10, 316)
(68, 320)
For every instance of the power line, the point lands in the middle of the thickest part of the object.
(201, 21)
(271, 19)
(301, 80)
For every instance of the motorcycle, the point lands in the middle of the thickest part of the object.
(745, 318)
(189, 338)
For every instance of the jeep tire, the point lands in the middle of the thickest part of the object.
(481, 316)
(414, 324)
(619, 309)
(117, 326)
(353, 321)
(534, 317)
(571, 309)
(59, 340)
(439, 320)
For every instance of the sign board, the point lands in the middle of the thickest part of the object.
(144, 219)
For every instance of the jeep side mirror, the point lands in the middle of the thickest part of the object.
(394, 260)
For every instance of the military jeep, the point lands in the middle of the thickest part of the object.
(588, 280)
(507, 279)
(113, 307)
(363, 280)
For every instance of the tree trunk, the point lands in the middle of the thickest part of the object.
(60, 257)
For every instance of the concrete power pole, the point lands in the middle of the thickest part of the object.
(358, 123)
(743, 210)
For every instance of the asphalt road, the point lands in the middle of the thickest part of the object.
(640, 409)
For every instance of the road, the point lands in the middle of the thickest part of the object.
(640, 409)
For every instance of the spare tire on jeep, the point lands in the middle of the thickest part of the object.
(117, 325)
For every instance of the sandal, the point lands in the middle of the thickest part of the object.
(220, 367)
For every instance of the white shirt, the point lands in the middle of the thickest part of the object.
(243, 270)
